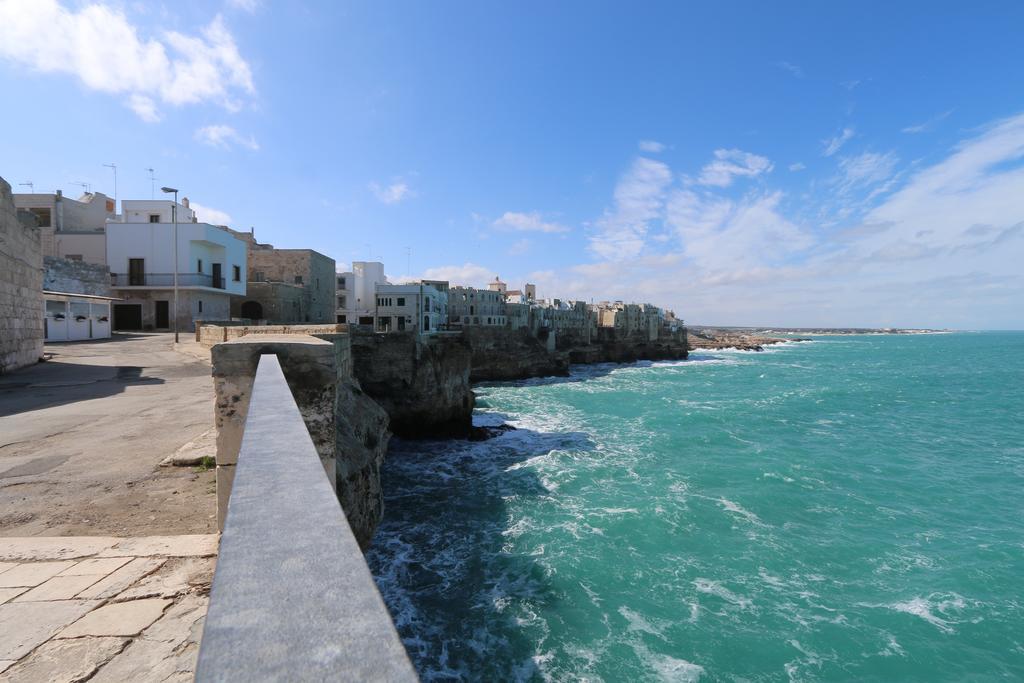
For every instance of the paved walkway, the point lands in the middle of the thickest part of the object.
(103, 609)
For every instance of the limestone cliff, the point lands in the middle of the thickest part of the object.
(361, 443)
(501, 354)
(422, 384)
(610, 347)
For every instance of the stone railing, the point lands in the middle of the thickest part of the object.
(208, 334)
(292, 597)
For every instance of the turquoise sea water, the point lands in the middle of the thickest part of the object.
(850, 508)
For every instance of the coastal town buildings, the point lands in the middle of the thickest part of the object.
(414, 307)
(211, 267)
(286, 285)
(472, 306)
(355, 292)
(70, 228)
(77, 300)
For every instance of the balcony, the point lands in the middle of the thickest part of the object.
(165, 280)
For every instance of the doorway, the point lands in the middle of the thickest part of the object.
(218, 281)
(163, 315)
(127, 316)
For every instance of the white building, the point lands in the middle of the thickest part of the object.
(140, 253)
(356, 292)
(69, 228)
(73, 317)
(416, 307)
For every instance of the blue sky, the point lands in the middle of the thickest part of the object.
(741, 163)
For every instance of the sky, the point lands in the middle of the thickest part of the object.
(745, 163)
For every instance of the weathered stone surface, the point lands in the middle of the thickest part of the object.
(423, 385)
(21, 287)
(101, 566)
(25, 625)
(122, 578)
(75, 277)
(32, 573)
(118, 619)
(59, 588)
(4, 566)
(150, 660)
(53, 547)
(501, 354)
(189, 545)
(362, 443)
(10, 593)
(177, 576)
(66, 661)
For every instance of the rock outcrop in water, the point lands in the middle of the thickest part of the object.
(422, 384)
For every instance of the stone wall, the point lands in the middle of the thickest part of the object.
(349, 430)
(313, 302)
(423, 384)
(501, 354)
(75, 277)
(21, 287)
(208, 334)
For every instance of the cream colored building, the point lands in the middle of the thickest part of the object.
(472, 306)
(73, 229)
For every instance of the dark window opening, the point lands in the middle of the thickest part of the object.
(199, 265)
(236, 274)
(154, 218)
(298, 279)
(43, 216)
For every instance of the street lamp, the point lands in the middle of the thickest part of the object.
(174, 217)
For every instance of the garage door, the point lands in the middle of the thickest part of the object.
(127, 316)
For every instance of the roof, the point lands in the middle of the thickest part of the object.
(82, 296)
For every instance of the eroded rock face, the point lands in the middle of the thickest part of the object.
(361, 444)
(423, 385)
(500, 354)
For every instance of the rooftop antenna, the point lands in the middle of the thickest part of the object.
(152, 183)
(85, 186)
(113, 167)
(30, 185)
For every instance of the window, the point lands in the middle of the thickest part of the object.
(200, 305)
(136, 272)
(298, 279)
(43, 216)
(401, 323)
(154, 218)
(236, 273)
(401, 301)
(199, 265)
(341, 283)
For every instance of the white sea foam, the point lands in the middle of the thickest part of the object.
(710, 587)
(735, 508)
(938, 609)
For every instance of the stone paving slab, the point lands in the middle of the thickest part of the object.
(36, 548)
(195, 545)
(27, 625)
(103, 609)
(118, 619)
(32, 573)
(59, 588)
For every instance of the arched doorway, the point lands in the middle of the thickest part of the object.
(253, 310)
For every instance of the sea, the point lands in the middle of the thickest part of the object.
(849, 508)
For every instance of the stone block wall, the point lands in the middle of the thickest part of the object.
(210, 334)
(21, 287)
(75, 277)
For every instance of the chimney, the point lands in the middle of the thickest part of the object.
(184, 202)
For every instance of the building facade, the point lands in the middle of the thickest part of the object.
(211, 262)
(21, 285)
(415, 307)
(286, 285)
(70, 228)
(356, 293)
(472, 306)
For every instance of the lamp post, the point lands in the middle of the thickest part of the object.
(174, 217)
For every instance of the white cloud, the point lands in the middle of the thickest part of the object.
(798, 166)
(527, 222)
(865, 170)
(519, 247)
(206, 214)
(729, 163)
(834, 144)
(639, 197)
(791, 68)
(249, 6)
(467, 274)
(927, 125)
(394, 193)
(225, 137)
(652, 146)
(100, 46)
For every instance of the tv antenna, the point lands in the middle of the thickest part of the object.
(84, 185)
(152, 183)
(113, 167)
(30, 185)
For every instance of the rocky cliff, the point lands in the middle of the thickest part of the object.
(361, 440)
(610, 347)
(501, 354)
(423, 385)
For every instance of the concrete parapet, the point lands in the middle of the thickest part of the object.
(209, 334)
(310, 367)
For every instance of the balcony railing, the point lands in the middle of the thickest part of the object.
(165, 280)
